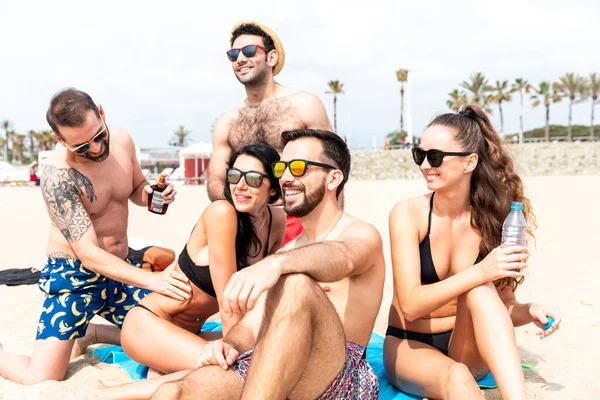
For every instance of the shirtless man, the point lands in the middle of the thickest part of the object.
(269, 109)
(322, 295)
(86, 186)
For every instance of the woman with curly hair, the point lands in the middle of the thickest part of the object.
(454, 310)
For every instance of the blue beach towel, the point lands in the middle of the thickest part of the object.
(115, 355)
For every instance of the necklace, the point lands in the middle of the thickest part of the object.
(330, 229)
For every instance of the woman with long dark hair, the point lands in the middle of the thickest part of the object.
(231, 234)
(454, 310)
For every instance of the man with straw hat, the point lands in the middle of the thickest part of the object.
(256, 56)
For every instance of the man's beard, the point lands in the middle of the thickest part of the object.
(311, 201)
(257, 79)
(102, 156)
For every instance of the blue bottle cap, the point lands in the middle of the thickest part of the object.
(549, 323)
(516, 205)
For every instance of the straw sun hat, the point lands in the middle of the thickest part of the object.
(276, 42)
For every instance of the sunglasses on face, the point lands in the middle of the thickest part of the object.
(85, 147)
(253, 179)
(297, 167)
(435, 157)
(248, 51)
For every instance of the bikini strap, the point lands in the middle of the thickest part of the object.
(430, 211)
(269, 232)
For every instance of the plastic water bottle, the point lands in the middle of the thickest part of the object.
(514, 229)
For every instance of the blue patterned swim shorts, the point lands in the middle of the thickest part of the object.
(75, 294)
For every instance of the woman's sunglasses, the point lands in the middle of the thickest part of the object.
(247, 51)
(253, 179)
(297, 167)
(435, 157)
(84, 147)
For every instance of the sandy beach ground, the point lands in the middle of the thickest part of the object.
(563, 273)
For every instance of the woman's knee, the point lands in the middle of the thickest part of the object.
(131, 330)
(478, 294)
(458, 375)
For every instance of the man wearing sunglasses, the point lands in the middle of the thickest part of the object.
(309, 309)
(256, 56)
(87, 185)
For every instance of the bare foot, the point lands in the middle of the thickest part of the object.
(82, 344)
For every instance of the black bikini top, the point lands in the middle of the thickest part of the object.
(200, 274)
(428, 272)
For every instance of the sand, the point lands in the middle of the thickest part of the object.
(563, 273)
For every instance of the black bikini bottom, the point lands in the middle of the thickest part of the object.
(438, 340)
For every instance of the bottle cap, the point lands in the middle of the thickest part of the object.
(516, 205)
(161, 182)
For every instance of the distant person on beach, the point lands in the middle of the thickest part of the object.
(33, 177)
(309, 310)
(454, 310)
(87, 185)
(256, 56)
(230, 235)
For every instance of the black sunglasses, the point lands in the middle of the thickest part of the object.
(297, 167)
(248, 51)
(253, 179)
(435, 157)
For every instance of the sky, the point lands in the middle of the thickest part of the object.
(155, 65)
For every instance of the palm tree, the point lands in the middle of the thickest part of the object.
(45, 140)
(523, 87)
(180, 136)
(32, 135)
(593, 89)
(402, 75)
(335, 88)
(545, 94)
(476, 85)
(499, 94)
(6, 125)
(457, 100)
(570, 85)
(18, 146)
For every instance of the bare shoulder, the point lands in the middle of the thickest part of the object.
(279, 217)
(229, 116)
(410, 208)
(409, 217)
(120, 135)
(357, 229)
(60, 182)
(311, 110)
(219, 210)
(223, 124)
(303, 99)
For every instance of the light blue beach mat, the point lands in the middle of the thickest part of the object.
(115, 355)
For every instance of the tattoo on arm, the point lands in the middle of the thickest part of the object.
(62, 189)
(59, 254)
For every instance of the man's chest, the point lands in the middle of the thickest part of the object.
(111, 185)
(264, 123)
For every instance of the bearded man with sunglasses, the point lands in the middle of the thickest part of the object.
(87, 185)
(256, 57)
(310, 308)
